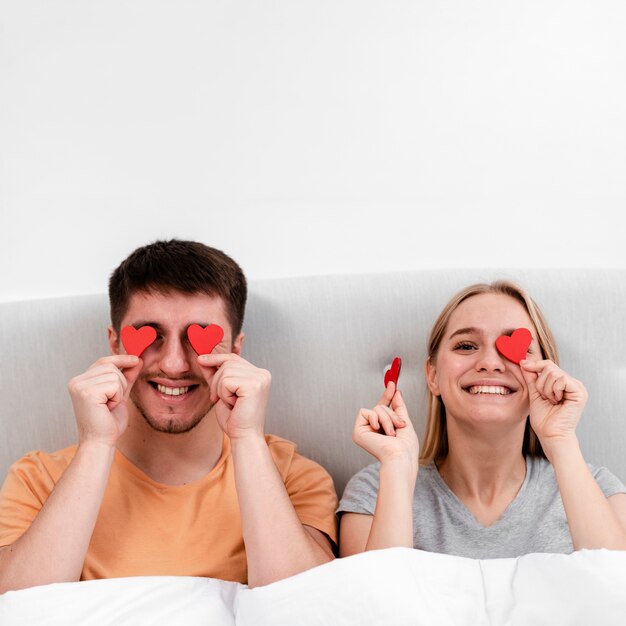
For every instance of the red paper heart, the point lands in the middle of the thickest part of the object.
(204, 340)
(393, 373)
(136, 340)
(515, 347)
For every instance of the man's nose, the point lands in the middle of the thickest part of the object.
(175, 357)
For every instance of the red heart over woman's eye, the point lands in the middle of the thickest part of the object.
(515, 347)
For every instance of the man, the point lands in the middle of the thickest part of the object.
(172, 473)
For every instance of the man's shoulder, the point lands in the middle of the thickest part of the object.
(287, 458)
(274, 441)
(53, 463)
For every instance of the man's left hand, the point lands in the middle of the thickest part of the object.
(240, 392)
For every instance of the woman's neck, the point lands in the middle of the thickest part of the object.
(485, 467)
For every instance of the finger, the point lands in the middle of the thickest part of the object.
(114, 393)
(547, 379)
(399, 407)
(121, 361)
(398, 422)
(216, 360)
(385, 420)
(227, 388)
(129, 377)
(367, 417)
(530, 378)
(387, 396)
(560, 384)
(542, 383)
(534, 366)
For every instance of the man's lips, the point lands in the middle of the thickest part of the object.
(170, 389)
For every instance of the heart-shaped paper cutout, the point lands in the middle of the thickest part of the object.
(204, 340)
(393, 373)
(515, 347)
(136, 340)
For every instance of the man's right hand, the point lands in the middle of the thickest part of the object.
(100, 396)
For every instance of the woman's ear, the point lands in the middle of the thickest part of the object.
(431, 377)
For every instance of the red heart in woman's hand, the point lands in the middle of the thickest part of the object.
(393, 373)
(136, 340)
(515, 347)
(204, 340)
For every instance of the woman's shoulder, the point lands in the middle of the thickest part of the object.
(542, 472)
(366, 476)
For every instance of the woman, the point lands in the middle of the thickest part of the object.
(501, 473)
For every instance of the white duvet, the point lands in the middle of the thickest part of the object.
(387, 587)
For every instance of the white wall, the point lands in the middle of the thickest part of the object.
(309, 137)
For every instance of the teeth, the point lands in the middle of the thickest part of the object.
(172, 391)
(502, 391)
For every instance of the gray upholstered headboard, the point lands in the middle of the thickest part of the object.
(326, 341)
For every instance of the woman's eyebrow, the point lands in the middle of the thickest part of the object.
(470, 330)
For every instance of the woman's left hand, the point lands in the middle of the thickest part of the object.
(556, 401)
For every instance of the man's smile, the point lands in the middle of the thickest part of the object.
(171, 391)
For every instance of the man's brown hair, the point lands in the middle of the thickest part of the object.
(183, 266)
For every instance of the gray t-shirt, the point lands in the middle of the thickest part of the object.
(534, 522)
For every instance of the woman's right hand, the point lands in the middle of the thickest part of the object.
(387, 432)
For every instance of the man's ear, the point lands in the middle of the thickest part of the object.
(431, 377)
(114, 343)
(238, 344)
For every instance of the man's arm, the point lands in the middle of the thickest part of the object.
(278, 545)
(53, 548)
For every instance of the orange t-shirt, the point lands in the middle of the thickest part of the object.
(145, 528)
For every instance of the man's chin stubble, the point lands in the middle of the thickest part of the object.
(171, 426)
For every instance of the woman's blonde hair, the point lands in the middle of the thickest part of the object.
(435, 447)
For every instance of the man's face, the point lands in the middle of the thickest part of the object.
(171, 392)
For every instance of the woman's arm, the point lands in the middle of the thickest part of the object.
(593, 520)
(397, 449)
(556, 404)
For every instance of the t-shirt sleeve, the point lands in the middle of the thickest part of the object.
(23, 494)
(609, 483)
(361, 492)
(312, 493)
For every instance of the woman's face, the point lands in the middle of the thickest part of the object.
(474, 380)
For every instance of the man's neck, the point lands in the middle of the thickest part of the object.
(172, 459)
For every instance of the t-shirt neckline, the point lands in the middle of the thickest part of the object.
(126, 464)
(460, 506)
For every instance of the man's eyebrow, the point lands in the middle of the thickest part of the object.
(140, 323)
(159, 328)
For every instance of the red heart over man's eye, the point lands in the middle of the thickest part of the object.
(515, 347)
(136, 340)
(204, 340)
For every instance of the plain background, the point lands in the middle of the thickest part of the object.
(310, 137)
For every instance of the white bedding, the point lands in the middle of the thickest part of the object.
(388, 587)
